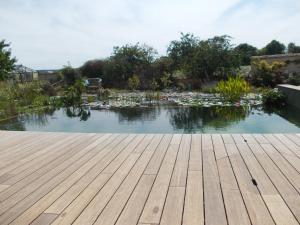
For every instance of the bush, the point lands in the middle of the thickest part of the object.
(133, 82)
(233, 89)
(267, 75)
(274, 97)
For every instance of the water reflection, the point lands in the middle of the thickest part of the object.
(160, 120)
(82, 113)
(137, 114)
(192, 119)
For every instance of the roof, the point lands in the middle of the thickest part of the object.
(23, 69)
(47, 71)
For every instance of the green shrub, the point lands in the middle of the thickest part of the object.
(273, 97)
(233, 89)
(133, 82)
(267, 75)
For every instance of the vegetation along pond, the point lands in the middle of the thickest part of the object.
(161, 119)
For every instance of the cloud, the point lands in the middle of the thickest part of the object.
(49, 33)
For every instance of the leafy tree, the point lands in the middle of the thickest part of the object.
(133, 82)
(93, 68)
(293, 48)
(6, 61)
(245, 52)
(70, 75)
(273, 48)
(132, 59)
(205, 59)
(181, 51)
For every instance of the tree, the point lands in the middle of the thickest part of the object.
(204, 59)
(93, 68)
(70, 75)
(293, 48)
(245, 52)
(181, 51)
(127, 61)
(6, 61)
(273, 48)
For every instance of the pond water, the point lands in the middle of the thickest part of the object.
(161, 119)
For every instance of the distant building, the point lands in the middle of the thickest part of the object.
(51, 76)
(292, 61)
(23, 74)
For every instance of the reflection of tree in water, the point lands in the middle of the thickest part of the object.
(83, 113)
(137, 113)
(39, 118)
(13, 124)
(192, 119)
(288, 112)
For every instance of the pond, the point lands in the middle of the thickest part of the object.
(161, 119)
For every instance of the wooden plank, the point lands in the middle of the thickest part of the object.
(154, 206)
(134, 207)
(21, 165)
(281, 183)
(90, 214)
(194, 205)
(172, 213)
(213, 199)
(286, 168)
(36, 170)
(48, 199)
(155, 162)
(234, 204)
(3, 187)
(32, 192)
(257, 210)
(284, 151)
(116, 204)
(179, 175)
(291, 145)
(294, 138)
(44, 219)
(195, 162)
(268, 191)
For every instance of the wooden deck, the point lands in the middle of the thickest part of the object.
(129, 179)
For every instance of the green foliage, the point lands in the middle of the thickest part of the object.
(245, 52)
(154, 85)
(293, 48)
(133, 82)
(6, 61)
(166, 80)
(70, 75)
(294, 79)
(19, 98)
(233, 89)
(273, 48)
(273, 98)
(93, 68)
(204, 59)
(267, 75)
(72, 95)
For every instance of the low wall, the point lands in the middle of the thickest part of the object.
(292, 92)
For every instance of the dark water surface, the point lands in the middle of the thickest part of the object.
(161, 119)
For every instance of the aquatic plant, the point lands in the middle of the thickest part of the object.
(274, 98)
(233, 89)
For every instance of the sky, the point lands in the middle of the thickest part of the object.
(48, 34)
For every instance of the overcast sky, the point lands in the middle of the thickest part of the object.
(46, 34)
